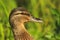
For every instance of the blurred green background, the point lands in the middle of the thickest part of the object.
(48, 10)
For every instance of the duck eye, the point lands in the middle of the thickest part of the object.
(25, 14)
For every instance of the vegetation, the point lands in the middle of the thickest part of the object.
(48, 10)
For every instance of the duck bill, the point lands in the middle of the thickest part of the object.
(36, 19)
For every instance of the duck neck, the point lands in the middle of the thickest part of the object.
(20, 33)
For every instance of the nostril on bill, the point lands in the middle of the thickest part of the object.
(38, 20)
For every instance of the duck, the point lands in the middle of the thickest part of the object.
(17, 18)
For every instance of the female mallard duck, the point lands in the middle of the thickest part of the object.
(17, 18)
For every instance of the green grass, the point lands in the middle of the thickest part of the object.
(48, 10)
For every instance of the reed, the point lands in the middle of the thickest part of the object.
(49, 10)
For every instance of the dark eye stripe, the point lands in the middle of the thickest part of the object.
(23, 14)
(27, 14)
